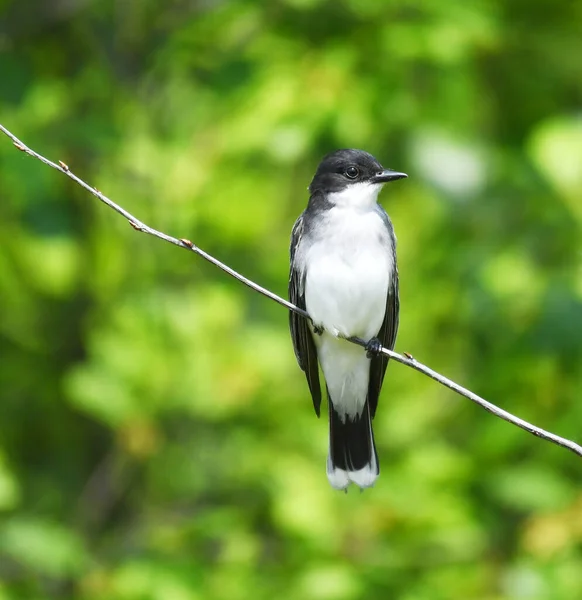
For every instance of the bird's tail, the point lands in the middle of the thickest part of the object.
(352, 451)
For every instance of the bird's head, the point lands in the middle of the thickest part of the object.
(352, 177)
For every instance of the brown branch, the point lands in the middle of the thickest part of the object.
(405, 359)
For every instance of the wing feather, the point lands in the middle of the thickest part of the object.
(301, 335)
(387, 336)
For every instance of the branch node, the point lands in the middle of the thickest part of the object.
(19, 146)
(408, 355)
(135, 225)
(64, 166)
(186, 243)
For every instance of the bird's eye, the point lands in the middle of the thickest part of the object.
(352, 172)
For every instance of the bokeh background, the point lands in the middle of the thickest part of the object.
(157, 439)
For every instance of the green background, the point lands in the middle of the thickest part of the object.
(157, 439)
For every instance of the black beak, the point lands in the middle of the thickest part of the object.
(387, 175)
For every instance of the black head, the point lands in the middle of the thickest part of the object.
(342, 168)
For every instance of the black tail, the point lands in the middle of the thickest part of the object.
(352, 451)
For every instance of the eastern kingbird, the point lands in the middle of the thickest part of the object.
(343, 273)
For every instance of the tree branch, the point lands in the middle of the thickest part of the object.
(405, 359)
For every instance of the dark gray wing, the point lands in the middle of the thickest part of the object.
(387, 336)
(300, 333)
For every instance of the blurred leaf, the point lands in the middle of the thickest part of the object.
(530, 488)
(556, 147)
(43, 545)
(9, 488)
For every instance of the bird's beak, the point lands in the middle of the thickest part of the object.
(387, 175)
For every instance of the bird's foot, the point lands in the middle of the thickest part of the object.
(318, 329)
(373, 348)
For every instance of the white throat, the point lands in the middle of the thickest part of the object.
(356, 195)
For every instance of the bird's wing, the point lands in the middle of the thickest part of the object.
(300, 332)
(387, 336)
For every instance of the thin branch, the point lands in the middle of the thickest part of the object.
(405, 359)
(139, 226)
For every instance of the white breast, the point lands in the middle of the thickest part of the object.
(349, 265)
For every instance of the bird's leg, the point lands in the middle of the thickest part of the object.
(373, 347)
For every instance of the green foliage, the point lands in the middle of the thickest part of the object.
(157, 440)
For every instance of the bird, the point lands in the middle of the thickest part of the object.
(343, 272)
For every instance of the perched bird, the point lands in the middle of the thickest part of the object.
(343, 273)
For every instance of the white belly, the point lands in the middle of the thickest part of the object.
(348, 297)
(347, 276)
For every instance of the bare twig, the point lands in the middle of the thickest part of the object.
(405, 359)
(139, 226)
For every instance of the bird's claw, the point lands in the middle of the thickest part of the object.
(373, 348)
(318, 329)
